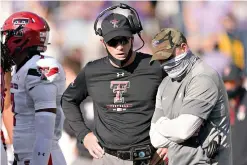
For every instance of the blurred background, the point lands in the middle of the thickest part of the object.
(215, 30)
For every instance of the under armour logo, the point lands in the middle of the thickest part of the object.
(18, 78)
(114, 23)
(120, 74)
(41, 154)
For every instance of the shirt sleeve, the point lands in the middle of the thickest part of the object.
(71, 100)
(200, 97)
(180, 128)
(43, 90)
(157, 139)
(158, 107)
(44, 96)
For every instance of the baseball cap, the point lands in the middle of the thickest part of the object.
(115, 25)
(232, 72)
(164, 42)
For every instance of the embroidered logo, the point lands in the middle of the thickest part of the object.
(114, 23)
(119, 87)
(47, 72)
(120, 74)
(155, 43)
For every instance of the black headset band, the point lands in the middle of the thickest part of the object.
(122, 6)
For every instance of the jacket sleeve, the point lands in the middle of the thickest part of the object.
(71, 100)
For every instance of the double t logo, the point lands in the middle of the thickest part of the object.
(119, 87)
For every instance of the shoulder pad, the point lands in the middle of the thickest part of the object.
(49, 69)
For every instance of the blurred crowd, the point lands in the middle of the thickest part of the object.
(215, 31)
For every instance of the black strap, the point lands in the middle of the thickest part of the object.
(124, 155)
(132, 153)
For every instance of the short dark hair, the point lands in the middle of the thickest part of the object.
(183, 40)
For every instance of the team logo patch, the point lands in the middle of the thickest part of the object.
(155, 43)
(20, 21)
(119, 88)
(47, 72)
(114, 23)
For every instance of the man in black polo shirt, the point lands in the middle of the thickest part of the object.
(123, 88)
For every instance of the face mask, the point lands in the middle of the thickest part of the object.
(176, 66)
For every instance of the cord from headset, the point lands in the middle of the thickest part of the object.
(143, 42)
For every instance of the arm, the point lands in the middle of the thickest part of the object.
(7, 113)
(182, 127)
(67, 129)
(200, 98)
(8, 123)
(156, 138)
(71, 100)
(44, 97)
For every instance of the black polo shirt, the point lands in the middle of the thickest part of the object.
(123, 99)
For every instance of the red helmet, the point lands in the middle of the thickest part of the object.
(25, 30)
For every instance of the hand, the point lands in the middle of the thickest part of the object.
(91, 143)
(159, 156)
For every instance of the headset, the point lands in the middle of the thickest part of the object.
(134, 20)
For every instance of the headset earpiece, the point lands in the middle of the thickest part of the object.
(132, 25)
(98, 32)
(136, 22)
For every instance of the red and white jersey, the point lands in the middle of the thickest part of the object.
(2, 89)
(39, 71)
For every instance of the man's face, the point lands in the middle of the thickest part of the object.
(119, 47)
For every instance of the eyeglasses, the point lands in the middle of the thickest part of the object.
(115, 41)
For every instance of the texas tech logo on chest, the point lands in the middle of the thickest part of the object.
(119, 87)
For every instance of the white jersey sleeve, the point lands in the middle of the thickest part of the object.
(44, 96)
(43, 83)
